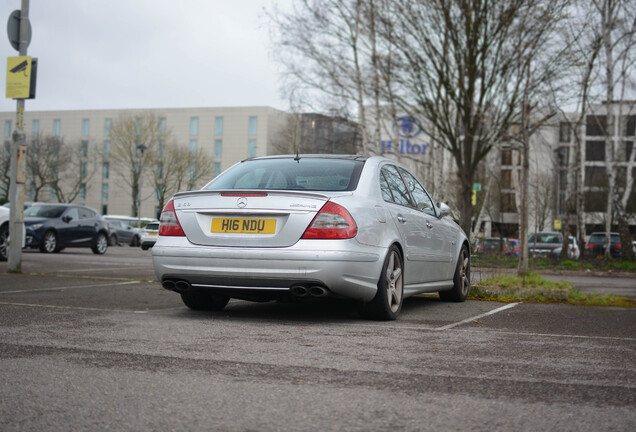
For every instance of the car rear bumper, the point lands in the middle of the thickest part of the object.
(351, 274)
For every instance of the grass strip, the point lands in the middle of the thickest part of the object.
(533, 288)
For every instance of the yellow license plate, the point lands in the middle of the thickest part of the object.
(243, 225)
(152, 234)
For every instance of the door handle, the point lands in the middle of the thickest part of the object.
(401, 219)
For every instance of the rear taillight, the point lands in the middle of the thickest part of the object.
(332, 222)
(168, 223)
(618, 246)
(589, 245)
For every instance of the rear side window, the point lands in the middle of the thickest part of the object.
(398, 191)
(314, 174)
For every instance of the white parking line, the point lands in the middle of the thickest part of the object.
(94, 269)
(543, 335)
(72, 308)
(467, 320)
(69, 287)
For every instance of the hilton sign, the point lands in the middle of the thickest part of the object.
(407, 128)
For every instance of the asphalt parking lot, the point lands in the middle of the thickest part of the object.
(92, 342)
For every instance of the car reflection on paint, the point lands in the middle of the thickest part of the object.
(306, 227)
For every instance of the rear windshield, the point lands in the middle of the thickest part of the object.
(599, 239)
(555, 238)
(288, 174)
(152, 226)
(45, 211)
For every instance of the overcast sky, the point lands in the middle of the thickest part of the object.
(112, 54)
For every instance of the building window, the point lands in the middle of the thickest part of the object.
(160, 170)
(218, 126)
(106, 148)
(83, 170)
(192, 170)
(251, 148)
(628, 147)
(52, 194)
(595, 176)
(104, 191)
(216, 169)
(506, 179)
(104, 209)
(82, 192)
(508, 204)
(564, 132)
(162, 126)
(629, 128)
(35, 128)
(7, 128)
(594, 151)
(218, 148)
(32, 191)
(85, 127)
(57, 127)
(509, 156)
(252, 125)
(193, 147)
(194, 126)
(138, 126)
(108, 127)
(596, 125)
(161, 148)
(595, 201)
(84, 148)
(105, 170)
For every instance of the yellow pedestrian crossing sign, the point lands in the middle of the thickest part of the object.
(18, 77)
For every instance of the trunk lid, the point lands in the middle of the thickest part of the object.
(246, 218)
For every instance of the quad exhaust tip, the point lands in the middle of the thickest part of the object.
(178, 286)
(313, 291)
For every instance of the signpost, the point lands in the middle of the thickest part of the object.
(20, 86)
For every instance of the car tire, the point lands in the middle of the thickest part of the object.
(49, 242)
(387, 303)
(199, 300)
(461, 280)
(144, 247)
(135, 241)
(101, 244)
(4, 242)
(112, 240)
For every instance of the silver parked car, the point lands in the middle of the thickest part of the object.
(294, 227)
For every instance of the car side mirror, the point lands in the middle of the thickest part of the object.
(67, 218)
(444, 210)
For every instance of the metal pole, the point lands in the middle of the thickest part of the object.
(18, 165)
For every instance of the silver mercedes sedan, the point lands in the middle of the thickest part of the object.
(302, 227)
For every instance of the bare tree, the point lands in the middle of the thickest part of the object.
(179, 169)
(58, 166)
(134, 140)
(617, 30)
(330, 47)
(460, 70)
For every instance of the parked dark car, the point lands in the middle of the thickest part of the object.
(492, 246)
(595, 246)
(544, 244)
(53, 227)
(121, 233)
